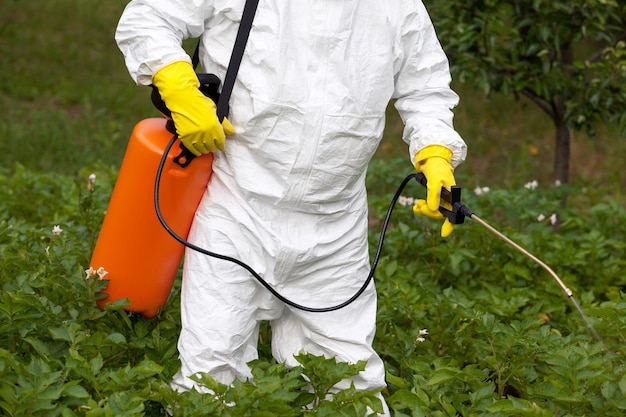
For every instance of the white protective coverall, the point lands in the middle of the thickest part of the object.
(287, 196)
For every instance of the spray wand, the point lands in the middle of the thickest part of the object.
(460, 211)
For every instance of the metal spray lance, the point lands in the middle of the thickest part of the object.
(460, 211)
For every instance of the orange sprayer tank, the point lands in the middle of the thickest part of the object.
(140, 256)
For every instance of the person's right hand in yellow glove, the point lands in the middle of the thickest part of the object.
(434, 162)
(194, 114)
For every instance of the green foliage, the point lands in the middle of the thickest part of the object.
(66, 96)
(573, 50)
(467, 326)
(61, 355)
(567, 57)
(278, 391)
(502, 337)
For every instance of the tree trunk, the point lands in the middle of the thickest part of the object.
(562, 153)
(563, 134)
(561, 158)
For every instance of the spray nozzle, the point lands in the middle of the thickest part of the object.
(453, 197)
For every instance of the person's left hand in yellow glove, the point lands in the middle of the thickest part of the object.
(194, 114)
(434, 162)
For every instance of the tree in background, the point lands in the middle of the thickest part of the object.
(568, 57)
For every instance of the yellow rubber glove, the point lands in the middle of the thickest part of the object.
(434, 162)
(194, 114)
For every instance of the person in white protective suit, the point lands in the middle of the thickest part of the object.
(287, 194)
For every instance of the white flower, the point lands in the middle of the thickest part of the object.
(56, 230)
(531, 185)
(91, 181)
(481, 190)
(541, 217)
(406, 201)
(421, 338)
(101, 272)
(553, 219)
(90, 272)
(557, 183)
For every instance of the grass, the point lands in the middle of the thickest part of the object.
(68, 103)
(67, 98)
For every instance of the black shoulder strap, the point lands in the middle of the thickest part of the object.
(195, 59)
(249, 10)
(185, 157)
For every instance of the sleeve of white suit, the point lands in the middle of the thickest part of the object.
(150, 33)
(423, 95)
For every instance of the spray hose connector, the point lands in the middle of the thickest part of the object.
(453, 197)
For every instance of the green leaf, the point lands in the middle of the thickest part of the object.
(95, 364)
(60, 333)
(622, 385)
(116, 338)
(404, 399)
(40, 347)
(397, 381)
(391, 268)
(487, 391)
(518, 407)
(73, 390)
(443, 376)
(148, 367)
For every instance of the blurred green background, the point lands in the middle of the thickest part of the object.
(68, 102)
